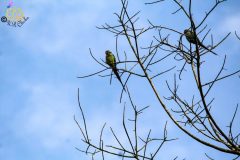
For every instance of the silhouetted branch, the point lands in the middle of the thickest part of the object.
(190, 55)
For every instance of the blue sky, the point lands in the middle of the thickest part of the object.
(39, 63)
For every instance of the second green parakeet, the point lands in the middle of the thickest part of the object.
(192, 38)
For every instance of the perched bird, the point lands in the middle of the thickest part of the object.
(192, 38)
(111, 61)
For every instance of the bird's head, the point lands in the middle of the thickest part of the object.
(185, 31)
(107, 52)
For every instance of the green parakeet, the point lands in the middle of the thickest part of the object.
(111, 61)
(190, 36)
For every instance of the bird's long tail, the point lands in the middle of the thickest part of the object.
(207, 49)
(118, 77)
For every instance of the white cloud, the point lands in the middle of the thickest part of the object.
(56, 27)
(47, 117)
(231, 23)
(46, 121)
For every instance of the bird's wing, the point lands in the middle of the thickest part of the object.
(114, 61)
